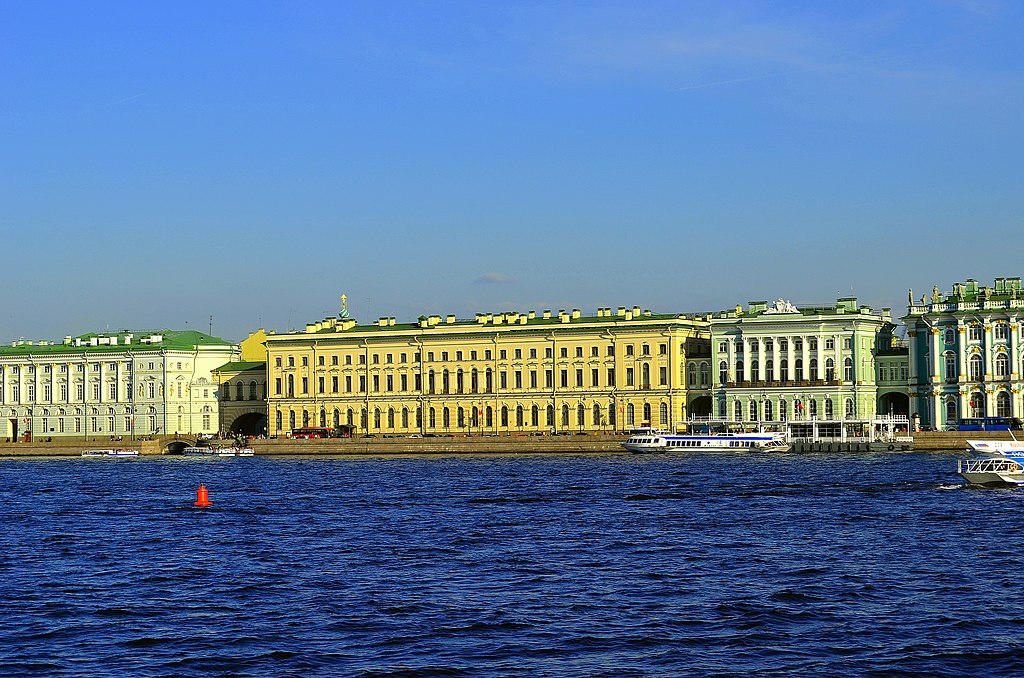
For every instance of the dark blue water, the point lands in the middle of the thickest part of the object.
(608, 565)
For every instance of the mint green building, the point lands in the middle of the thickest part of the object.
(966, 352)
(780, 363)
(111, 385)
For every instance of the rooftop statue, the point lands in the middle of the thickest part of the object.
(782, 306)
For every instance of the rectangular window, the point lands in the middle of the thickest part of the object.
(348, 384)
(629, 376)
(593, 351)
(113, 391)
(564, 352)
(594, 377)
(519, 378)
(549, 379)
(348, 360)
(664, 376)
(362, 383)
(305, 384)
(388, 358)
(611, 377)
(334, 384)
(376, 383)
(320, 384)
(458, 355)
(376, 358)
(389, 382)
(518, 354)
(504, 380)
(564, 376)
(533, 378)
(533, 353)
(404, 381)
(663, 349)
(579, 351)
(502, 354)
(629, 349)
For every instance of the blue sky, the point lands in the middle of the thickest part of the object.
(165, 162)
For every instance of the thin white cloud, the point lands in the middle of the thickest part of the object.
(492, 278)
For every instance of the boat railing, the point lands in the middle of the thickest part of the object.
(991, 465)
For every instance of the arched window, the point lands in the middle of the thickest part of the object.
(391, 417)
(830, 369)
(277, 422)
(446, 418)
(798, 366)
(519, 415)
(629, 414)
(323, 418)
(535, 416)
(705, 376)
(951, 415)
(768, 414)
(581, 415)
(813, 372)
(753, 410)
(828, 408)
(291, 419)
(812, 407)
(950, 336)
(848, 369)
(405, 417)
(253, 390)
(1002, 367)
(1003, 404)
(648, 419)
(550, 420)
(597, 414)
(305, 418)
(504, 416)
(238, 391)
(755, 372)
(645, 371)
(336, 417)
(723, 372)
(460, 415)
(951, 374)
(977, 404)
(565, 416)
(737, 411)
(692, 374)
(663, 414)
(977, 366)
(850, 409)
(739, 371)
(783, 413)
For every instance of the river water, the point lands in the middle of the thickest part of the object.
(509, 565)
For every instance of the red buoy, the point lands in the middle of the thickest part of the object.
(201, 497)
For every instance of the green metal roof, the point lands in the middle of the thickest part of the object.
(170, 340)
(241, 366)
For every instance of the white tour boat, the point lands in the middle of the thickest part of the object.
(996, 462)
(737, 442)
(120, 452)
(226, 451)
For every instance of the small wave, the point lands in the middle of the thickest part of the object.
(148, 642)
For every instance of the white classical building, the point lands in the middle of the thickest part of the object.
(779, 363)
(966, 352)
(111, 385)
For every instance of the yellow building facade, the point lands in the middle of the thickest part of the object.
(498, 374)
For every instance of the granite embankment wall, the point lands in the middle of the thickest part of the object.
(923, 441)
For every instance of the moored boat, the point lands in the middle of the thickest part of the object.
(996, 463)
(666, 442)
(225, 451)
(119, 452)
